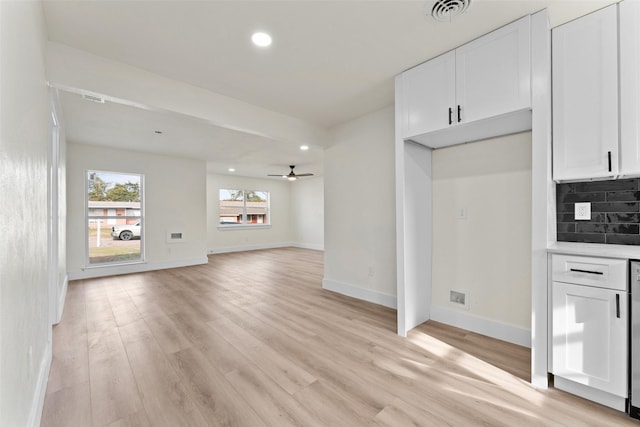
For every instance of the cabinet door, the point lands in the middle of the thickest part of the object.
(630, 88)
(589, 339)
(585, 97)
(493, 73)
(429, 92)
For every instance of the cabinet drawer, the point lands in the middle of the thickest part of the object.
(605, 273)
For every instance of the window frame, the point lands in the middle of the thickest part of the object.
(87, 217)
(244, 225)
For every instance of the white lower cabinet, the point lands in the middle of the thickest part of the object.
(589, 338)
(590, 321)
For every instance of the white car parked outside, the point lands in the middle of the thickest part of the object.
(126, 231)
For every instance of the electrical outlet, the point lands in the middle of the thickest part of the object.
(582, 211)
(459, 298)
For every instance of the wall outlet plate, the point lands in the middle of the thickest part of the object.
(459, 298)
(582, 211)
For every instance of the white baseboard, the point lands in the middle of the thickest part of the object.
(61, 299)
(360, 293)
(247, 248)
(590, 393)
(313, 246)
(115, 270)
(37, 405)
(482, 325)
(243, 248)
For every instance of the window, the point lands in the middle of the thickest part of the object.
(114, 218)
(244, 207)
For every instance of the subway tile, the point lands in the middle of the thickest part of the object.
(570, 217)
(615, 207)
(565, 217)
(613, 185)
(607, 228)
(583, 197)
(566, 227)
(615, 212)
(622, 196)
(583, 238)
(616, 217)
(623, 239)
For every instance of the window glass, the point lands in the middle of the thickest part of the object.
(244, 207)
(114, 218)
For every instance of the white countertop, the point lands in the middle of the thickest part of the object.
(596, 249)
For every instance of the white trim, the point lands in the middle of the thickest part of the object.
(543, 198)
(482, 325)
(360, 293)
(590, 393)
(35, 414)
(312, 246)
(61, 299)
(247, 248)
(243, 227)
(114, 270)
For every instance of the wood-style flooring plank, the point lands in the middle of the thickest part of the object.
(252, 339)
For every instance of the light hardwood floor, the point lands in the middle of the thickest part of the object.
(251, 339)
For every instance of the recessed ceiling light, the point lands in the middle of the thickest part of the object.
(261, 39)
(232, 170)
(304, 147)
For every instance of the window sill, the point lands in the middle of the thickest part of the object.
(243, 227)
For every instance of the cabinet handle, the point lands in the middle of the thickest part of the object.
(577, 270)
(618, 306)
(450, 116)
(609, 157)
(459, 115)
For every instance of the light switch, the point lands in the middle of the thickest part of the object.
(582, 211)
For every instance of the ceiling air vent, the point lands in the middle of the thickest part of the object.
(446, 10)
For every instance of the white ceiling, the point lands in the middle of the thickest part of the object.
(330, 61)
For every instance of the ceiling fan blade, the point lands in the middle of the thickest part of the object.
(304, 174)
(277, 175)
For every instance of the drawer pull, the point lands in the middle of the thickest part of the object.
(618, 306)
(577, 270)
(450, 113)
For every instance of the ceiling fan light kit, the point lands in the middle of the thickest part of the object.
(292, 176)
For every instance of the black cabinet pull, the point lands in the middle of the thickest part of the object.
(609, 157)
(577, 270)
(618, 306)
(450, 114)
(459, 115)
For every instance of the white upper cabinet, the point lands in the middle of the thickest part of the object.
(493, 73)
(630, 88)
(432, 81)
(585, 97)
(470, 93)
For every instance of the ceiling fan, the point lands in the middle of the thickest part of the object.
(292, 175)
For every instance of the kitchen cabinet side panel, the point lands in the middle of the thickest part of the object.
(630, 88)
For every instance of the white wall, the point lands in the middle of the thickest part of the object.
(307, 209)
(175, 200)
(359, 197)
(25, 350)
(487, 254)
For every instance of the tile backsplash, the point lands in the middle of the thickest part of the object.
(615, 212)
